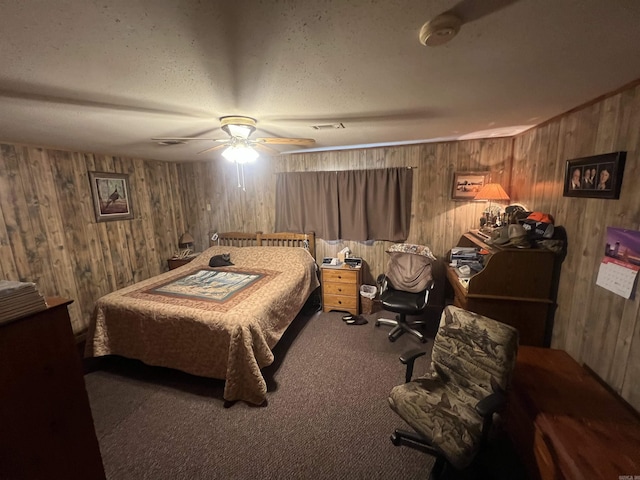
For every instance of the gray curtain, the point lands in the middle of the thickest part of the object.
(349, 205)
(307, 202)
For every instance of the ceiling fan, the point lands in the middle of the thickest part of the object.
(239, 147)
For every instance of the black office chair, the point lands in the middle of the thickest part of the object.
(405, 288)
(403, 303)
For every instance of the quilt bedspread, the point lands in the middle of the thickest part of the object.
(212, 322)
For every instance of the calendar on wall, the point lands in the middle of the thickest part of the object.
(621, 262)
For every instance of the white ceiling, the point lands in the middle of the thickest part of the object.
(105, 76)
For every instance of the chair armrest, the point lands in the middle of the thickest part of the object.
(486, 408)
(382, 282)
(409, 359)
(491, 404)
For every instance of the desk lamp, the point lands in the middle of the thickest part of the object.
(491, 192)
(186, 241)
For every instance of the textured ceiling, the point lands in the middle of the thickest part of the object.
(106, 76)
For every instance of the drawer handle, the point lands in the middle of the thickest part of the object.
(340, 290)
(340, 277)
(339, 302)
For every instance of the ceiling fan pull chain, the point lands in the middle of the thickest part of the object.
(238, 173)
(242, 170)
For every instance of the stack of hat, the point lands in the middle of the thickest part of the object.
(539, 225)
(513, 235)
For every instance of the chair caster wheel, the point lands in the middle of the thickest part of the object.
(395, 440)
(392, 339)
(377, 324)
(423, 340)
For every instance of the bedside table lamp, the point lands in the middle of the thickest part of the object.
(491, 192)
(186, 241)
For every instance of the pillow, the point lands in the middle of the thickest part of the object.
(411, 248)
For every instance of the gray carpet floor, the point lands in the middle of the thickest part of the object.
(327, 415)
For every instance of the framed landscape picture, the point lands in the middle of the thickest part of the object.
(111, 196)
(466, 185)
(599, 176)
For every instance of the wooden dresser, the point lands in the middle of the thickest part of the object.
(341, 289)
(515, 287)
(46, 427)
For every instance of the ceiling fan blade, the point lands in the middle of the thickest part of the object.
(212, 149)
(285, 141)
(265, 149)
(190, 138)
(364, 118)
(62, 98)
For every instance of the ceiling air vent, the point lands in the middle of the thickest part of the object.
(328, 126)
(168, 143)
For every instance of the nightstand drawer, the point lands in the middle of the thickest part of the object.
(336, 288)
(340, 289)
(340, 302)
(339, 275)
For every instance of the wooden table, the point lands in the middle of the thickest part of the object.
(565, 424)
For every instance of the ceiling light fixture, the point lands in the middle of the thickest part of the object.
(237, 126)
(440, 30)
(240, 154)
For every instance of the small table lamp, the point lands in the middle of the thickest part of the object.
(186, 241)
(491, 192)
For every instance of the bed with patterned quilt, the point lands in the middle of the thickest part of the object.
(218, 322)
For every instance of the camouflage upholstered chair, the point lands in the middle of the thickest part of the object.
(452, 408)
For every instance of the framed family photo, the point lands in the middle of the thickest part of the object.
(111, 196)
(466, 185)
(599, 176)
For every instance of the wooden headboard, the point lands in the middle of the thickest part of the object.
(259, 239)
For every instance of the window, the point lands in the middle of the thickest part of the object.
(349, 205)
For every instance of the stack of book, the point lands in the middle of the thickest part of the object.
(18, 299)
(466, 257)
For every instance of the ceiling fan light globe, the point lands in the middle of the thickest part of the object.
(242, 131)
(240, 154)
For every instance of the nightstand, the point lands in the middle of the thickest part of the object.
(340, 289)
(178, 262)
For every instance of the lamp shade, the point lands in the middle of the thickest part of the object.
(186, 240)
(492, 191)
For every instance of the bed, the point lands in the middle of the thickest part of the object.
(213, 322)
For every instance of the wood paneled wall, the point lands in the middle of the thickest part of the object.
(211, 189)
(594, 325)
(49, 234)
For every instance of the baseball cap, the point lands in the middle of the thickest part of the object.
(540, 217)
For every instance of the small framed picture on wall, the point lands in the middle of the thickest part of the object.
(599, 176)
(466, 185)
(111, 196)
